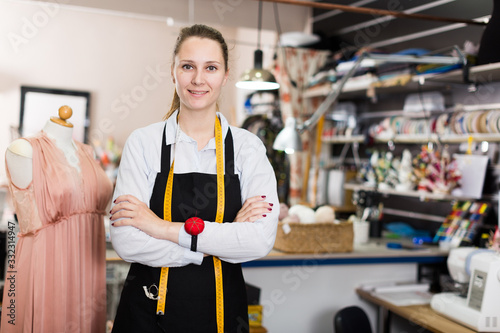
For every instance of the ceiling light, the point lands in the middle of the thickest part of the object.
(258, 78)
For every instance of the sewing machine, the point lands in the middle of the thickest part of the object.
(478, 307)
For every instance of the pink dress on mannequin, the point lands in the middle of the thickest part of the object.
(60, 263)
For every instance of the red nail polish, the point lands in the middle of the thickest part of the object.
(114, 201)
(263, 196)
(110, 211)
(264, 215)
(270, 204)
(269, 209)
(113, 224)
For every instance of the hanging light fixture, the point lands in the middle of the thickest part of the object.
(258, 78)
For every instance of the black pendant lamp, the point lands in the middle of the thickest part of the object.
(258, 78)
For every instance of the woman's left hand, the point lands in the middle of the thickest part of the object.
(129, 210)
(253, 209)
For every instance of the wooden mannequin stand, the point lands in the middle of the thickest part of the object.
(65, 112)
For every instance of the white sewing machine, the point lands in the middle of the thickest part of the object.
(480, 309)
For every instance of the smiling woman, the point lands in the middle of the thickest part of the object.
(221, 175)
(199, 73)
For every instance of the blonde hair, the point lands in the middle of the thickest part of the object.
(201, 31)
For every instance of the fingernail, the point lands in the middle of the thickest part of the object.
(269, 209)
(110, 211)
(113, 224)
(264, 215)
(270, 204)
(263, 196)
(114, 201)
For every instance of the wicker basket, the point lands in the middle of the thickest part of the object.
(315, 238)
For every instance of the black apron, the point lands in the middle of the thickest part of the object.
(191, 297)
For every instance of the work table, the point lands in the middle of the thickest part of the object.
(375, 251)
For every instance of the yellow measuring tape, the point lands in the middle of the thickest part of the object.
(167, 209)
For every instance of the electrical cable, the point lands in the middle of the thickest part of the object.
(280, 47)
(259, 25)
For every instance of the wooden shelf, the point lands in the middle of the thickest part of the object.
(361, 91)
(358, 88)
(344, 139)
(415, 194)
(319, 91)
(482, 74)
(417, 138)
(447, 138)
(357, 85)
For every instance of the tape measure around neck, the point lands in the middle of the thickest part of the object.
(167, 215)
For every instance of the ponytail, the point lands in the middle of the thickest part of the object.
(176, 103)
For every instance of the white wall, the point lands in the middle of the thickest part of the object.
(230, 13)
(123, 60)
(304, 298)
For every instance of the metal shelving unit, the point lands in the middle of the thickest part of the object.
(479, 74)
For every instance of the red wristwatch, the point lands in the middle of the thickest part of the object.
(194, 226)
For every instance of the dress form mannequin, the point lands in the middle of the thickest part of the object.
(19, 153)
(60, 194)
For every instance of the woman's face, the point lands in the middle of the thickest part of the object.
(199, 73)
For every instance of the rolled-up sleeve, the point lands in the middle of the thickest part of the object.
(136, 177)
(244, 241)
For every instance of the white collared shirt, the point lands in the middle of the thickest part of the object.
(231, 242)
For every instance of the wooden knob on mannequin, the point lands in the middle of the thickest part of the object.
(65, 112)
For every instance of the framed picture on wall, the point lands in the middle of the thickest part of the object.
(39, 104)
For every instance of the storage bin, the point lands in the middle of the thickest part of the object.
(315, 237)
